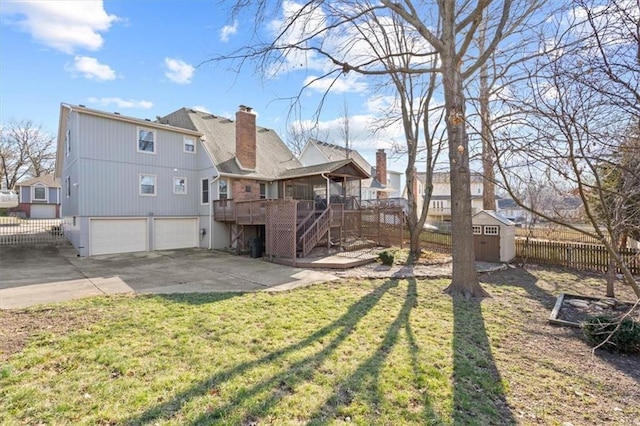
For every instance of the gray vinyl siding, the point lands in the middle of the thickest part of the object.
(25, 194)
(109, 166)
(52, 195)
(69, 204)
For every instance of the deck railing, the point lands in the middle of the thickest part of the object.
(317, 230)
(252, 212)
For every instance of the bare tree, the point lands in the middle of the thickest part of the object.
(579, 105)
(25, 150)
(446, 29)
(297, 136)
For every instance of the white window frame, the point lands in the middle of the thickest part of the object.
(185, 144)
(46, 193)
(144, 129)
(208, 186)
(220, 193)
(68, 186)
(491, 230)
(184, 192)
(477, 229)
(155, 185)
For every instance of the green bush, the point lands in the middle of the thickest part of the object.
(386, 257)
(624, 338)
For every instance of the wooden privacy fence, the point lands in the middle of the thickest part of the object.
(585, 257)
(551, 234)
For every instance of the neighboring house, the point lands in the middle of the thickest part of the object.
(39, 197)
(563, 207)
(440, 205)
(188, 179)
(382, 184)
(508, 208)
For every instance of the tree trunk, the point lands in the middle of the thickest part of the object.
(464, 280)
(611, 277)
(412, 216)
(488, 180)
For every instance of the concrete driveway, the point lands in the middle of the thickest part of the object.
(32, 275)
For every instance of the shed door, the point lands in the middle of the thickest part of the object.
(487, 243)
(171, 233)
(118, 236)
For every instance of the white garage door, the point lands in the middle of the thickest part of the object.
(118, 236)
(171, 233)
(43, 211)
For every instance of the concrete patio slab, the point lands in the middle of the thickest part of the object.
(32, 275)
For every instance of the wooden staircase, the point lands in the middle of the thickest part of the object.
(311, 233)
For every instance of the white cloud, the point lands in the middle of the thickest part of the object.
(121, 103)
(228, 30)
(63, 25)
(343, 84)
(178, 71)
(91, 69)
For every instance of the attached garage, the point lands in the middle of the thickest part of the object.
(42, 211)
(109, 236)
(175, 233)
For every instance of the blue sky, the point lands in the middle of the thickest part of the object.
(141, 58)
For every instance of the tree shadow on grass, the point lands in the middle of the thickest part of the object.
(365, 380)
(478, 391)
(278, 384)
(196, 298)
(546, 299)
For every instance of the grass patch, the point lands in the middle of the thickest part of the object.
(364, 352)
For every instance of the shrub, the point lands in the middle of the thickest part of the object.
(624, 338)
(386, 257)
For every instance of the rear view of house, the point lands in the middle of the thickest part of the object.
(194, 179)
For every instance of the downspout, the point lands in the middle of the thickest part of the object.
(328, 188)
(211, 182)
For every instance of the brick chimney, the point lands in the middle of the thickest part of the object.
(246, 138)
(381, 171)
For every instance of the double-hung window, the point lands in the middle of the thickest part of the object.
(147, 185)
(68, 186)
(223, 189)
(146, 141)
(179, 185)
(39, 193)
(68, 142)
(204, 191)
(189, 145)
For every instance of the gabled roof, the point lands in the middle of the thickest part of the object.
(219, 137)
(497, 216)
(507, 203)
(335, 152)
(347, 167)
(47, 180)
